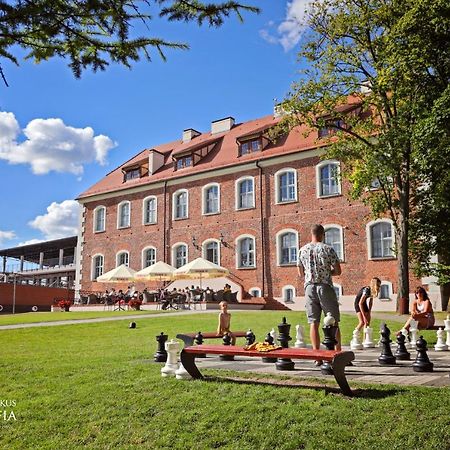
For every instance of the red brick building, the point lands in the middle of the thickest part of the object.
(234, 197)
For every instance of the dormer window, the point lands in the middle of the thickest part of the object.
(331, 127)
(251, 146)
(132, 174)
(185, 161)
(137, 169)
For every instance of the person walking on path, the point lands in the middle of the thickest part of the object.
(317, 262)
(364, 302)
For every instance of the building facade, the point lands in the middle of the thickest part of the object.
(239, 200)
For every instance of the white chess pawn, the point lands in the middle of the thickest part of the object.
(329, 320)
(182, 374)
(274, 335)
(405, 333)
(299, 343)
(355, 343)
(447, 329)
(440, 346)
(413, 330)
(368, 338)
(171, 366)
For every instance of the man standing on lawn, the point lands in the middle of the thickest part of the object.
(317, 263)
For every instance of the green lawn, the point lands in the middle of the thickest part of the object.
(95, 386)
(34, 317)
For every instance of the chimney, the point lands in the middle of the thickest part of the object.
(222, 125)
(155, 161)
(278, 111)
(190, 134)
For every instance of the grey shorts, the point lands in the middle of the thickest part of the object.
(321, 297)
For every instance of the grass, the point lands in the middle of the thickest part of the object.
(95, 386)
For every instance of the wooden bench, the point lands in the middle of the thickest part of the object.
(337, 359)
(188, 338)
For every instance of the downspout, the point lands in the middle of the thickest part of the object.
(164, 226)
(261, 217)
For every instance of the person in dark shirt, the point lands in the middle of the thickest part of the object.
(364, 302)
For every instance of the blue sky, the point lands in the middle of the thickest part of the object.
(238, 70)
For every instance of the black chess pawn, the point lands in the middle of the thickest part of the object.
(161, 354)
(422, 362)
(266, 359)
(402, 354)
(132, 325)
(199, 341)
(226, 341)
(283, 339)
(386, 358)
(329, 341)
(250, 338)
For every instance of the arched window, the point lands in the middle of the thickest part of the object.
(381, 239)
(179, 255)
(148, 257)
(122, 257)
(123, 215)
(255, 292)
(286, 186)
(246, 252)
(287, 245)
(211, 199)
(288, 294)
(97, 266)
(327, 175)
(180, 204)
(334, 238)
(149, 210)
(211, 251)
(99, 219)
(245, 193)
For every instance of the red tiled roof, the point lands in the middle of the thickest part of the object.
(225, 154)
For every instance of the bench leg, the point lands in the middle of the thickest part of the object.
(338, 364)
(188, 361)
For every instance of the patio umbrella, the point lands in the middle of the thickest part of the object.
(119, 274)
(200, 268)
(158, 271)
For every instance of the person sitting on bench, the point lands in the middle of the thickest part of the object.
(225, 322)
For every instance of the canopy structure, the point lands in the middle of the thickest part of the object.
(200, 269)
(158, 271)
(119, 274)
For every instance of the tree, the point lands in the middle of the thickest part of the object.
(94, 33)
(390, 61)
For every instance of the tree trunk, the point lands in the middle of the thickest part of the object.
(402, 256)
(445, 295)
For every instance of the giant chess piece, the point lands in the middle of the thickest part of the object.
(413, 330)
(402, 353)
(171, 366)
(329, 331)
(161, 354)
(250, 337)
(182, 374)
(368, 338)
(274, 335)
(269, 340)
(422, 363)
(440, 346)
(386, 357)
(355, 343)
(447, 329)
(299, 343)
(199, 341)
(226, 341)
(405, 333)
(283, 339)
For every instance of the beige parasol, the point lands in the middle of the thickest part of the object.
(158, 271)
(119, 274)
(200, 269)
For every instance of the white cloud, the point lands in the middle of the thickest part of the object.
(61, 220)
(290, 30)
(50, 144)
(6, 235)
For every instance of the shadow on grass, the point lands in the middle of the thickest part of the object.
(370, 393)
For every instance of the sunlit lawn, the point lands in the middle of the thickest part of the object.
(95, 386)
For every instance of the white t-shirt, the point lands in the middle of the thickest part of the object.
(317, 260)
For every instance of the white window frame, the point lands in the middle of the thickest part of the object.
(173, 252)
(204, 191)
(283, 293)
(278, 176)
(390, 290)
(319, 181)
(205, 243)
(255, 289)
(143, 258)
(96, 210)
(174, 204)
(238, 251)
(278, 246)
(119, 209)
(93, 258)
(144, 209)
(237, 193)
(119, 253)
(341, 232)
(369, 240)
